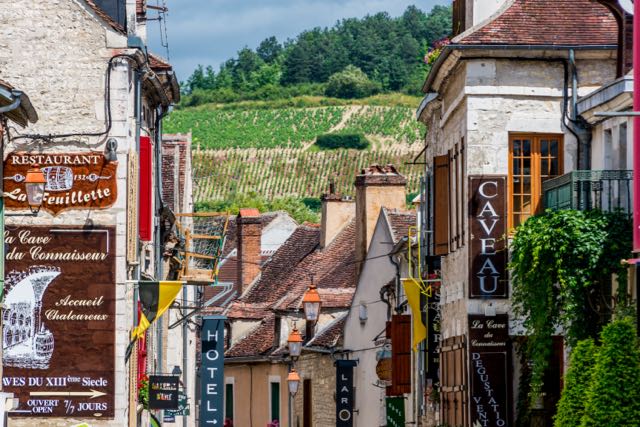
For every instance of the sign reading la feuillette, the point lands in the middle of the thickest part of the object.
(74, 180)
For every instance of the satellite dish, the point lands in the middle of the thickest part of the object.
(627, 5)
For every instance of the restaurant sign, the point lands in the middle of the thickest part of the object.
(163, 391)
(490, 370)
(487, 242)
(73, 180)
(59, 317)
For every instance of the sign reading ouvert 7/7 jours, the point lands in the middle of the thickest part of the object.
(59, 321)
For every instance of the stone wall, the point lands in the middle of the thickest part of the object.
(320, 370)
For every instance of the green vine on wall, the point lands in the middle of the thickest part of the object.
(562, 261)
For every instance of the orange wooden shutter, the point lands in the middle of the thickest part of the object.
(441, 204)
(400, 355)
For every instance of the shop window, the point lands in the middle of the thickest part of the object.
(532, 160)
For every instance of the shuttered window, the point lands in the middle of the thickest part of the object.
(453, 381)
(400, 355)
(146, 189)
(441, 197)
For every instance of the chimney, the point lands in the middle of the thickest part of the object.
(249, 238)
(376, 187)
(337, 211)
(624, 19)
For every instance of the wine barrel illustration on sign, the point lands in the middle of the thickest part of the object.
(27, 342)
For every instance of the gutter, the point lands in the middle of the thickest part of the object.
(245, 359)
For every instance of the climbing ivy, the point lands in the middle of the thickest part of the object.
(562, 262)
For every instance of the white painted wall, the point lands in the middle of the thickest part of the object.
(483, 9)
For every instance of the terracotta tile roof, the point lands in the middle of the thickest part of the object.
(330, 335)
(336, 298)
(105, 17)
(240, 310)
(278, 276)
(248, 212)
(547, 22)
(158, 63)
(257, 342)
(399, 222)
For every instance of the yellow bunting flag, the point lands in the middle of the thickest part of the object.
(412, 291)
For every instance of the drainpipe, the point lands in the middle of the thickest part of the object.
(137, 269)
(636, 128)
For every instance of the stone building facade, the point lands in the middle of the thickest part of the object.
(497, 107)
(96, 91)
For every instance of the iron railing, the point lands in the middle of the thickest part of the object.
(607, 190)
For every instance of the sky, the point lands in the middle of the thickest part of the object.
(209, 32)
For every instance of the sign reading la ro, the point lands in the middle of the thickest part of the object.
(344, 392)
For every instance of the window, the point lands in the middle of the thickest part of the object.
(307, 407)
(441, 193)
(228, 403)
(274, 396)
(532, 160)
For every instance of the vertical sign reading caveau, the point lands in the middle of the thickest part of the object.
(487, 242)
(59, 321)
(490, 370)
(344, 392)
(212, 371)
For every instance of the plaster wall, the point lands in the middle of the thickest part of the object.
(252, 391)
(616, 153)
(362, 340)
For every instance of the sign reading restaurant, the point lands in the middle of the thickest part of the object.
(73, 180)
(59, 321)
(487, 241)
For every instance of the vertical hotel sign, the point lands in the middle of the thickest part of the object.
(212, 371)
(59, 321)
(490, 370)
(487, 242)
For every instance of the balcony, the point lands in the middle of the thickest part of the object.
(607, 190)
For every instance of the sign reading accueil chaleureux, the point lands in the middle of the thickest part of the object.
(490, 370)
(212, 371)
(59, 321)
(487, 242)
(73, 180)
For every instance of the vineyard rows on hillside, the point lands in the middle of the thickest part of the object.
(289, 172)
(215, 128)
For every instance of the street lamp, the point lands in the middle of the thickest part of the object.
(311, 303)
(34, 183)
(294, 342)
(294, 382)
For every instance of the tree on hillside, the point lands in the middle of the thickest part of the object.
(269, 49)
(613, 399)
(351, 83)
(576, 384)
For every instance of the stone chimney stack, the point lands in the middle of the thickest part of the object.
(376, 187)
(249, 226)
(337, 211)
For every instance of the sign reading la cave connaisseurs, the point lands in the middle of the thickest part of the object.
(487, 243)
(73, 180)
(490, 370)
(59, 321)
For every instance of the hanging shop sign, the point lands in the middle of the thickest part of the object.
(163, 391)
(212, 371)
(433, 332)
(59, 321)
(183, 406)
(487, 243)
(344, 392)
(74, 180)
(490, 370)
(395, 411)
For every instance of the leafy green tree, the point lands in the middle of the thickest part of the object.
(269, 49)
(351, 83)
(576, 384)
(613, 399)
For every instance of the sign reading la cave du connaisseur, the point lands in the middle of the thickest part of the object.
(487, 248)
(74, 180)
(59, 321)
(490, 370)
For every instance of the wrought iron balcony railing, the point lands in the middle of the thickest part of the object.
(607, 190)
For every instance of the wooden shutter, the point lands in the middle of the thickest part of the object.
(145, 223)
(400, 355)
(441, 205)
